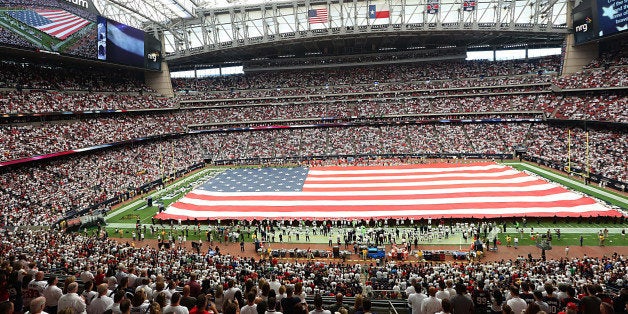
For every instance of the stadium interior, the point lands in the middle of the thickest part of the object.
(116, 114)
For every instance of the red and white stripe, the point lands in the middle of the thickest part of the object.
(63, 23)
(322, 16)
(436, 190)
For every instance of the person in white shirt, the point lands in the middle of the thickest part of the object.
(133, 278)
(450, 288)
(442, 293)
(415, 299)
(38, 283)
(318, 306)
(174, 306)
(147, 290)
(112, 284)
(431, 304)
(52, 293)
(516, 303)
(171, 289)
(230, 293)
(118, 297)
(102, 302)
(161, 287)
(410, 288)
(86, 275)
(72, 300)
(89, 294)
(37, 306)
(250, 307)
(447, 308)
(538, 299)
(274, 283)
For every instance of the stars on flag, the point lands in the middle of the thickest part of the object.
(258, 180)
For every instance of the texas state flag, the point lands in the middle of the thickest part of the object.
(374, 13)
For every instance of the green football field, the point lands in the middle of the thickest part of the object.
(121, 221)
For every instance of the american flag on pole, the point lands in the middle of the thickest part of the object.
(54, 22)
(412, 191)
(317, 16)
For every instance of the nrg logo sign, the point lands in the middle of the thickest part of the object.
(583, 28)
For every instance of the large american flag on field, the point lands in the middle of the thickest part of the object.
(54, 22)
(412, 191)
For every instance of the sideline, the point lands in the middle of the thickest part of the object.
(158, 193)
(580, 185)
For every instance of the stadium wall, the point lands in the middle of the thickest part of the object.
(160, 81)
(576, 57)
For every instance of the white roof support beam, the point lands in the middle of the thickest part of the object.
(184, 8)
(129, 6)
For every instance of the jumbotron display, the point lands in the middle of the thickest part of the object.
(50, 25)
(613, 16)
(73, 28)
(593, 19)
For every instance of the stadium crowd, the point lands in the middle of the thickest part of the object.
(76, 183)
(608, 150)
(92, 274)
(352, 59)
(56, 85)
(72, 185)
(64, 77)
(9, 38)
(52, 101)
(403, 91)
(608, 59)
(21, 141)
(317, 89)
(595, 78)
(97, 130)
(604, 107)
(393, 73)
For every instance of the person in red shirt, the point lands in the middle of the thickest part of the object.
(100, 277)
(195, 287)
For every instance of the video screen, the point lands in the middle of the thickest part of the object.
(583, 25)
(51, 25)
(102, 38)
(125, 44)
(152, 51)
(613, 16)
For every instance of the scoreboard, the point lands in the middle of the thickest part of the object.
(613, 16)
(76, 28)
(597, 19)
